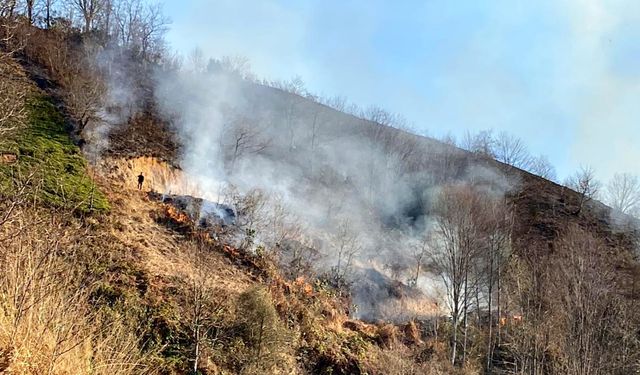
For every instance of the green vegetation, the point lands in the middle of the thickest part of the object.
(49, 161)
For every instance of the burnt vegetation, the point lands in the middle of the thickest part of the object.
(533, 277)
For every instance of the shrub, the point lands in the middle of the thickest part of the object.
(265, 339)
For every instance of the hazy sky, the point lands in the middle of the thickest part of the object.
(564, 75)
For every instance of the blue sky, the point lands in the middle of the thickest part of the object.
(564, 75)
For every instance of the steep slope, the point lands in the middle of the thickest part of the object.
(544, 208)
(183, 301)
(119, 288)
(330, 165)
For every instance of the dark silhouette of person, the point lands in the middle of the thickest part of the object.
(140, 181)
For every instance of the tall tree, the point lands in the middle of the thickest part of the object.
(29, 4)
(542, 167)
(623, 193)
(48, 12)
(495, 221)
(511, 150)
(89, 10)
(457, 247)
(584, 182)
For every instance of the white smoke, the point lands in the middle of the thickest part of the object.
(120, 100)
(360, 189)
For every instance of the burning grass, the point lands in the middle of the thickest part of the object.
(316, 320)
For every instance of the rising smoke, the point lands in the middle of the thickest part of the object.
(355, 196)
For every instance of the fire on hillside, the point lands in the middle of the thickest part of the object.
(204, 214)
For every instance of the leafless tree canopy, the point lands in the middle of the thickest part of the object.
(585, 183)
(623, 193)
(89, 10)
(542, 167)
(508, 149)
(511, 150)
(471, 245)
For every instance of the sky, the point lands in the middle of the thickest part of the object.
(563, 75)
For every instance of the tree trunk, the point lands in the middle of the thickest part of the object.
(30, 11)
(455, 342)
(490, 307)
(48, 20)
(466, 314)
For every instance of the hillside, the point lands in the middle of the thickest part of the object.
(138, 281)
(354, 247)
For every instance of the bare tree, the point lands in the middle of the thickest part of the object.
(9, 27)
(495, 223)
(449, 139)
(345, 246)
(587, 306)
(83, 96)
(339, 103)
(623, 193)
(294, 86)
(527, 338)
(139, 26)
(153, 27)
(542, 167)
(205, 313)
(89, 10)
(285, 240)
(12, 104)
(482, 143)
(511, 150)
(318, 134)
(8, 8)
(48, 11)
(584, 182)
(292, 105)
(250, 209)
(237, 65)
(242, 137)
(29, 7)
(420, 253)
(457, 244)
(196, 60)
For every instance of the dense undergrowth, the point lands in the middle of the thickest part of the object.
(47, 158)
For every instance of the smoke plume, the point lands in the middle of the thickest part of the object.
(330, 193)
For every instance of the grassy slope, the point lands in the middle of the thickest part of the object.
(49, 160)
(146, 273)
(141, 275)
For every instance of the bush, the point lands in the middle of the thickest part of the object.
(265, 339)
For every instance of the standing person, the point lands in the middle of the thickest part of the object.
(140, 181)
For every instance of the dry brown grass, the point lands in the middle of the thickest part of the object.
(14, 87)
(159, 175)
(47, 325)
(160, 251)
(319, 322)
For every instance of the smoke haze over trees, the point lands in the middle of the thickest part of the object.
(472, 236)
